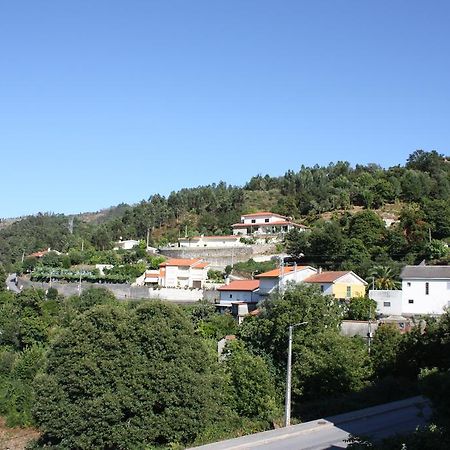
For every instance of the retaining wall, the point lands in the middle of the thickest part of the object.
(126, 291)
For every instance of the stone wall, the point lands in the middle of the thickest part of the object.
(219, 257)
(126, 291)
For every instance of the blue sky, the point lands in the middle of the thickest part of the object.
(103, 102)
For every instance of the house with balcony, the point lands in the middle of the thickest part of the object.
(339, 284)
(183, 272)
(280, 277)
(265, 223)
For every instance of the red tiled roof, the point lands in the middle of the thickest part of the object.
(39, 254)
(151, 275)
(326, 277)
(263, 213)
(213, 237)
(280, 222)
(241, 285)
(189, 262)
(275, 273)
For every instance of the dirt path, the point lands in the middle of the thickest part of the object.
(15, 438)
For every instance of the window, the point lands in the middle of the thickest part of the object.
(322, 288)
(253, 220)
(408, 284)
(266, 220)
(410, 301)
(231, 295)
(427, 288)
(387, 304)
(349, 291)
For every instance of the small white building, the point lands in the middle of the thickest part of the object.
(181, 272)
(279, 278)
(239, 297)
(239, 291)
(211, 241)
(265, 223)
(125, 245)
(426, 289)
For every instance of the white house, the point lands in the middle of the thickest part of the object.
(239, 297)
(425, 290)
(280, 277)
(211, 241)
(181, 272)
(239, 291)
(125, 245)
(265, 223)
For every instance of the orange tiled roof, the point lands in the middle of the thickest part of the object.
(263, 213)
(186, 262)
(280, 222)
(241, 285)
(326, 277)
(39, 254)
(213, 237)
(275, 273)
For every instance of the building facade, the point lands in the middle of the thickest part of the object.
(265, 223)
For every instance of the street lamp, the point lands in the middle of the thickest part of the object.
(287, 410)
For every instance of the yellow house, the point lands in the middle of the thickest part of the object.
(340, 284)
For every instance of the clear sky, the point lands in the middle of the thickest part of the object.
(103, 102)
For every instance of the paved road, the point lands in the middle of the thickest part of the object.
(330, 433)
(10, 283)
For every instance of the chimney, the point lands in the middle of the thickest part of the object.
(227, 281)
(320, 269)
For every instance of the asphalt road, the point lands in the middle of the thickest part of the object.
(331, 433)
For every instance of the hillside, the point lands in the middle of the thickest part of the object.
(417, 193)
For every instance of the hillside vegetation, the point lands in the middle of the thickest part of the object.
(324, 198)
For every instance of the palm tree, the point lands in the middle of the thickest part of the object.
(384, 278)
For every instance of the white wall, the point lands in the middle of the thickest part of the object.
(235, 296)
(433, 303)
(388, 302)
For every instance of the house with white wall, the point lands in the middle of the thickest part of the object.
(279, 278)
(240, 297)
(425, 290)
(183, 272)
(127, 244)
(265, 223)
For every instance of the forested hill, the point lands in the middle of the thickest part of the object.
(418, 191)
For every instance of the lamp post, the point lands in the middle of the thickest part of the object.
(287, 409)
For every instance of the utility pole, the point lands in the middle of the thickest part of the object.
(287, 409)
(369, 328)
(148, 236)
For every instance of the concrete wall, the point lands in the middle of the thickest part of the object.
(438, 296)
(219, 258)
(388, 302)
(126, 291)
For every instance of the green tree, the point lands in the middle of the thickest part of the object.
(254, 393)
(383, 278)
(126, 378)
(330, 365)
(385, 350)
(361, 308)
(267, 333)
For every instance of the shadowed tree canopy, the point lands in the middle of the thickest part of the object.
(121, 377)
